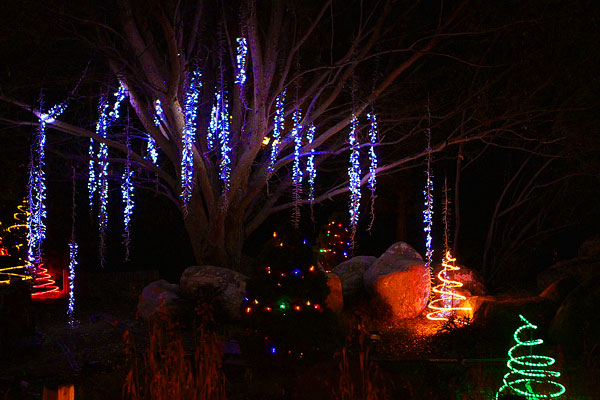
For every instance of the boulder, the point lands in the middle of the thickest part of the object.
(400, 250)
(226, 287)
(401, 284)
(581, 269)
(160, 300)
(590, 248)
(559, 290)
(576, 326)
(351, 273)
(473, 282)
(335, 299)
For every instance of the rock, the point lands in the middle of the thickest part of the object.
(559, 290)
(502, 315)
(351, 273)
(401, 284)
(335, 299)
(581, 269)
(227, 286)
(400, 250)
(590, 248)
(473, 282)
(160, 300)
(576, 326)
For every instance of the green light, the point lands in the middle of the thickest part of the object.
(526, 372)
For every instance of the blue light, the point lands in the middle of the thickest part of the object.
(189, 137)
(158, 112)
(92, 182)
(151, 150)
(101, 184)
(428, 212)
(36, 219)
(242, 50)
(72, 265)
(277, 128)
(354, 177)
(119, 97)
(213, 126)
(296, 171)
(310, 165)
(273, 350)
(223, 136)
(296, 272)
(373, 139)
(127, 196)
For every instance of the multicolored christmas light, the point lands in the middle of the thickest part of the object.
(310, 165)
(242, 51)
(528, 375)
(277, 129)
(296, 170)
(188, 136)
(36, 219)
(354, 178)
(18, 229)
(334, 245)
(373, 140)
(445, 305)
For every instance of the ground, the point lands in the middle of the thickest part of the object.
(413, 359)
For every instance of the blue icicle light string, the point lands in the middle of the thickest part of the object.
(36, 219)
(277, 129)
(373, 140)
(151, 150)
(158, 112)
(223, 136)
(428, 212)
(188, 137)
(354, 178)
(72, 265)
(128, 203)
(310, 165)
(297, 171)
(242, 51)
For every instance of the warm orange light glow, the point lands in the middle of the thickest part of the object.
(446, 303)
(44, 287)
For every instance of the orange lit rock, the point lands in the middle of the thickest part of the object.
(335, 299)
(473, 282)
(401, 284)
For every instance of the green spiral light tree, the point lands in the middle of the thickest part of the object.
(528, 375)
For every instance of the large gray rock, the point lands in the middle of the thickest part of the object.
(160, 300)
(401, 284)
(400, 250)
(473, 282)
(351, 273)
(576, 326)
(228, 287)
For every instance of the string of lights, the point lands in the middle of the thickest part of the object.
(119, 97)
(428, 212)
(72, 265)
(36, 218)
(297, 171)
(158, 112)
(242, 51)
(102, 175)
(445, 305)
(44, 286)
(18, 228)
(92, 182)
(189, 137)
(277, 129)
(151, 150)
(213, 126)
(223, 135)
(373, 140)
(310, 165)
(354, 178)
(528, 375)
(127, 196)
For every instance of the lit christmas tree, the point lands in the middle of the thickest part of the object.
(528, 375)
(285, 304)
(13, 248)
(446, 299)
(335, 245)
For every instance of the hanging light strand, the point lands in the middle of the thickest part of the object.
(36, 219)
(159, 114)
(297, 171)
(242, 51)
(127, 196)
(310, 167)
(373, 140)
(72, 262)
(428, 212)
(223, 135)
(354, 179)
(102, 176)
(189, 137)
(277, 128)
